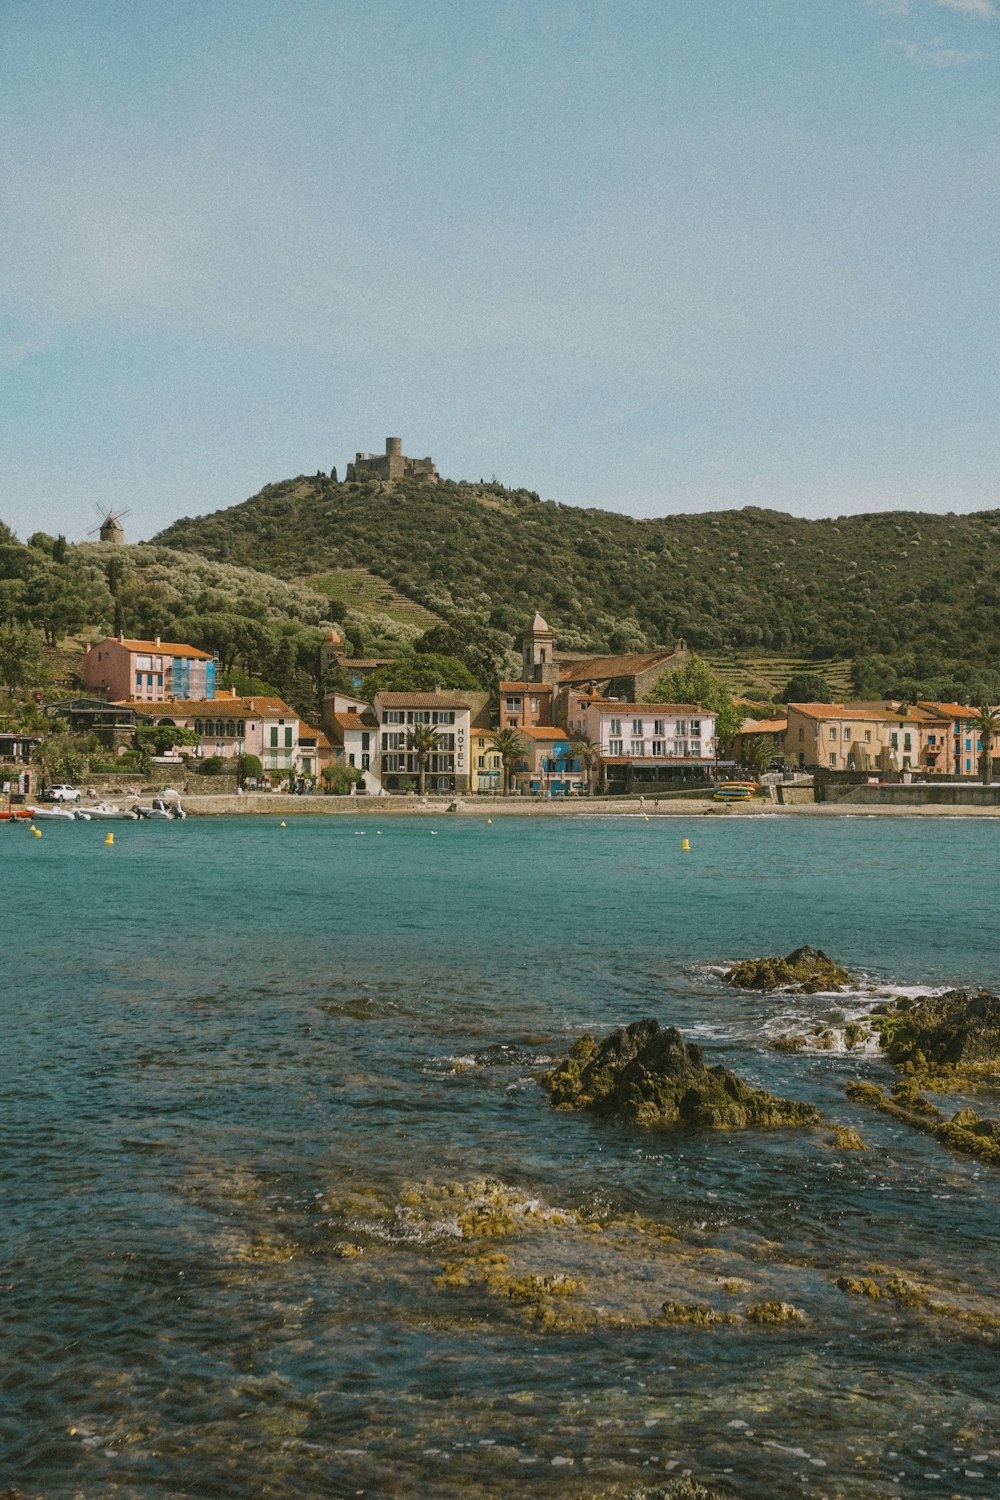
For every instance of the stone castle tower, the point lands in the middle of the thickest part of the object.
(392, 465)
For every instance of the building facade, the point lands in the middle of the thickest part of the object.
(448, 767)
(148, 671)
(645, 745)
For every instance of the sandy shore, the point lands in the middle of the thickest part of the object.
(276, 804)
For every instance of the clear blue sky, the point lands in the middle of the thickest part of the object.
(653, 255)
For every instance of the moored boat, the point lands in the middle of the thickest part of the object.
(102, 811)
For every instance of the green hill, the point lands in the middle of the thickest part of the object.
(921, 590)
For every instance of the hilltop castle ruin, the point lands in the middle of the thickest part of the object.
(392, 465)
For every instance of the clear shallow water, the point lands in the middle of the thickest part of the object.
(252, 1078)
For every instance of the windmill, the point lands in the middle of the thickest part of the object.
(110, 528)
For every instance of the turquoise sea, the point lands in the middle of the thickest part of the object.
(286, 1214)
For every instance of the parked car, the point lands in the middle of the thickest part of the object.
(62, 793)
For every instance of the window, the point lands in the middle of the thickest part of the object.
(833, 734)
(659, 726)
(513, 704)
(833, 760)
(696, 728)
(802, 734)
(637, 728)
(682, 728)
(418, 716)
(444, 716)
(395, 740)
(615, 727)
(288, 739)
(614, 747)
(274, 738)
(481, 760)
(659, 746)
(638, 747)
(394, 716)
(906, 742)
(231, 728)
(533, 704)
(932, 739)
(847, 733)
(868, 736)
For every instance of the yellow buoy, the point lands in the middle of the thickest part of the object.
(36, 831)
(686, 845)
(282, 825)
(109, 838)
(489, 820)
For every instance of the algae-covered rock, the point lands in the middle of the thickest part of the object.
(966, 1131)
(649, 1076)
(959, 1029)
(806, 971)
(774, 1313)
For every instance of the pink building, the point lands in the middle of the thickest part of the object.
(149, 671)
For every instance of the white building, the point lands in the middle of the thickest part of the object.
(448, 767)
(645, 744)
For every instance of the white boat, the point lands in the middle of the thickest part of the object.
(102, 811)
(65, 814)
(159, 809)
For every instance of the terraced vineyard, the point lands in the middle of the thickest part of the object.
(746, 676)
(360, 590)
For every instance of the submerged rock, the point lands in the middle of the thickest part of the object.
(650, 1076)
(957, 1030)
(806, 971)
(966, 1131)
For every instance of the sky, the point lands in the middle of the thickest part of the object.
(657, 256)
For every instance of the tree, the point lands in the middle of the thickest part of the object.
(511, 747)
(807, 687)
(22, 660)
(160, 739)
(420, 674)
(422, 740)
(339, 779)
(466, 639)
(758, 753)
(695, 682)
(987, 726)
(589, 755)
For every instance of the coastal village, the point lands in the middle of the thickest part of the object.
(567, 725)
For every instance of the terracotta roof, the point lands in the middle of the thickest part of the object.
(166, 648)
(839, 711)
(949, 710)
(525, 687)
(306, 732)
(648, 710)
(260, 706)
(355, 721)
(545, 732)
(369, 662)
(418, 700)
(597, 667)
(763, 726)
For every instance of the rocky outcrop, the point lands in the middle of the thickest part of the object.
(966, 1131)
(957, 1030)
(806, 971)
(648, 1075)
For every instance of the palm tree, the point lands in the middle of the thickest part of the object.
(987, 726)
(511, 747)
(588, 754)
(422, 739)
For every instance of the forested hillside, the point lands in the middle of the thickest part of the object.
(922, 590)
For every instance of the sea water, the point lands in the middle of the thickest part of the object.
(286, 1211)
